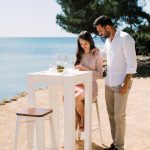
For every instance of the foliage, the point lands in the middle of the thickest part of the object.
(142, 39)
(80, 15)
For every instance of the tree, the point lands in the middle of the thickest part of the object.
(132, 14)
(79, 15)
(142, 39)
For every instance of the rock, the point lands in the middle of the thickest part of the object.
(23, 94)
(7, 101)
(13, 99)
(2, 103)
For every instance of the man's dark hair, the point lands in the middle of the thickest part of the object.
(103, 21)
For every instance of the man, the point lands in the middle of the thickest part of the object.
(121, 65)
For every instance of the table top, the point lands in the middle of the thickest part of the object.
(53, 77)
(67, 72)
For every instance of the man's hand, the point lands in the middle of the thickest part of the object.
(125, 86)
(123, 89)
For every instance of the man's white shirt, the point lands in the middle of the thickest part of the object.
(121, 58)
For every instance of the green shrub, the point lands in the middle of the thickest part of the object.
(142, 39)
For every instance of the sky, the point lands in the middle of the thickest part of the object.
(32, 18)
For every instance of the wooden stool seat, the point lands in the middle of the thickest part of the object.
(34, 112)
(35, 118)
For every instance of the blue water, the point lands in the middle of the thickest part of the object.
(19, 56)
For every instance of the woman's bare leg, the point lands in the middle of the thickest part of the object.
(80, 105)
(79, 96)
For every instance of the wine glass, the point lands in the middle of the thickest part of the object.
(58, 59)
(64, 60)
(52, 66)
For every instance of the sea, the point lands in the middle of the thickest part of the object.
(20, 56)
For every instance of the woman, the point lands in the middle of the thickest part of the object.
(87, 58)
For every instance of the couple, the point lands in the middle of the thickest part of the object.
(121, 65)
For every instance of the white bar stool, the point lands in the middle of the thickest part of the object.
(99, 124)
(34, 116)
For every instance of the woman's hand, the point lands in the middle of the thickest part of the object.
(80, 67)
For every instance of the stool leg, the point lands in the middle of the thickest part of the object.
(52, 135)
(16, 132)
(39, 124)
(78, 133)
(30, 134)
(99, 122)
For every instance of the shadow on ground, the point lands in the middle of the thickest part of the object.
(80, 146)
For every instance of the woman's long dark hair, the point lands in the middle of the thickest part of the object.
(87, 37)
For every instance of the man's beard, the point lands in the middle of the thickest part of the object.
(107, 35)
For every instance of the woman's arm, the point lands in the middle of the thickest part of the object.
(98, 72)
(82, 68)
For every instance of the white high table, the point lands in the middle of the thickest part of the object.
(67, 81)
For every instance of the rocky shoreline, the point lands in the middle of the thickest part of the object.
(15, 98)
